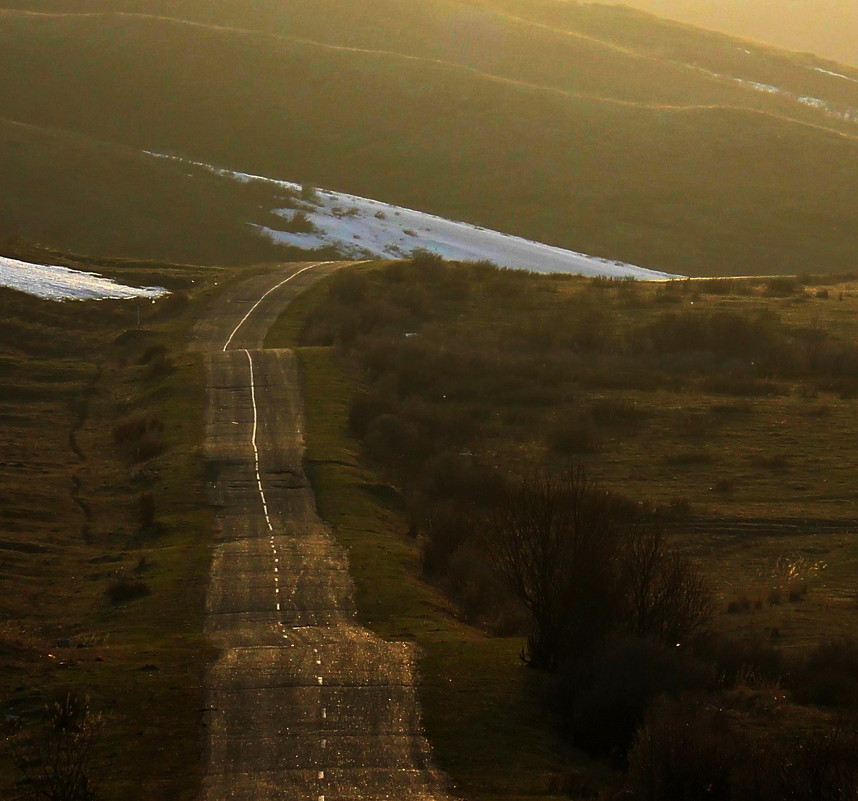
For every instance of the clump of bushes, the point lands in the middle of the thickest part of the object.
(140, 436)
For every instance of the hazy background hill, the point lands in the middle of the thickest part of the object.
(600, 129)
(826, 27)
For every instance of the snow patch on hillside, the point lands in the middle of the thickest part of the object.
(828, 108)
(836, 74)
(361, 228)
(52, 282)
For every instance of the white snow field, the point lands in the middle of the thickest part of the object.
(362, 228)
(359, 227)
(62, 283)
(844, 113)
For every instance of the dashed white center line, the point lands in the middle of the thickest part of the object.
(321, 774)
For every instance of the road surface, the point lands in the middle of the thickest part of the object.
(302, 702)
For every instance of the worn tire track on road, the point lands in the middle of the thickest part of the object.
(302, 702)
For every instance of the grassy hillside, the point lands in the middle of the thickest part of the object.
(595, 128)
(104, 533)
(78, 194)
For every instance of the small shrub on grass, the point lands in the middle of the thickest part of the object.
(426, 260)
(300, 223)
(122, 590)
(782, 286)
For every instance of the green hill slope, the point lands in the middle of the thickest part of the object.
(77, 194)
(594, 128)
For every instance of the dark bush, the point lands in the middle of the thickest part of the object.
(390, 439)
(152, 352)
(140, 436)
(603, 702)
(828, 676)
(122, 590)
(367, 407)
(683, 752)
(299, 223)
(462, 479)
(447, 527)
(782, 286)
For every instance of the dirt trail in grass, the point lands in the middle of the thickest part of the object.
(302, 703)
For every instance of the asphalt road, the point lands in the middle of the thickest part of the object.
(302, 703)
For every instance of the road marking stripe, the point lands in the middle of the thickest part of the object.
(255, 305)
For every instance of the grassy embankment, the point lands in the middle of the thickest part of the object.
(746, 444)
(105, 528)
(594, 128)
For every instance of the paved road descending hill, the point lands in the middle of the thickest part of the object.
(302, 702)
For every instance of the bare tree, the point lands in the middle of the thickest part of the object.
(667, 596)
(55, 761)
(554, 543)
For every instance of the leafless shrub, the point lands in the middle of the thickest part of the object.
(555, 545)
(668, 598)
(55, 760)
